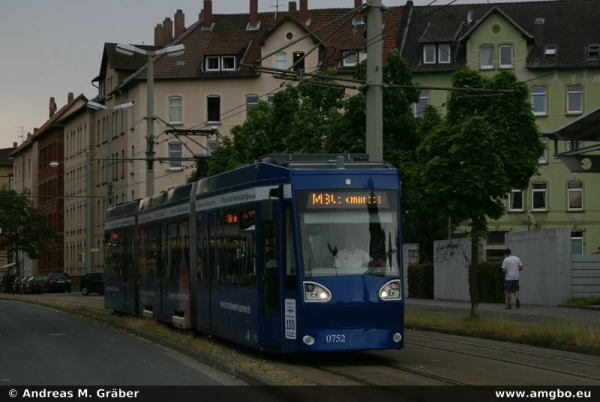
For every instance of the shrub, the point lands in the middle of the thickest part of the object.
(420, 281)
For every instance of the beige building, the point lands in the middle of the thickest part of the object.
(230, 62)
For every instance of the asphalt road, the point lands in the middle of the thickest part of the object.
(43, 346)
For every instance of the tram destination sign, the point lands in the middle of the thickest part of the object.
(347, 199)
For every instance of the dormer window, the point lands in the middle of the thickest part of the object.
(213, 63)
(220, 63)
(436, 53)
(228, 63)
(351, 58)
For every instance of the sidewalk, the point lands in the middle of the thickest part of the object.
(527, 313)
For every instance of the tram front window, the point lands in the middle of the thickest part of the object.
(348, 232)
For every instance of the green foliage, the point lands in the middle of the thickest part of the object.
(491, 282)
(25, 228)
(316, 118)
(420, 281)
(483, 148)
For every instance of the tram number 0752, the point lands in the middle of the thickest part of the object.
(335, 338)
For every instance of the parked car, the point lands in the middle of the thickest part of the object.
(34, 284)
(92, 283)
(16, 286)
(57, 282)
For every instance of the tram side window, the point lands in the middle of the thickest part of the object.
(149, 252)
(201, 246)
(228, 235)
(291, 281)
(173, 250)
(270, 272)
(247, 252)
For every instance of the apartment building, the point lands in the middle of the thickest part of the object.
(553, 46)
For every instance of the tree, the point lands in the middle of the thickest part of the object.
(25, 228)
(482, 149)
(315, 117)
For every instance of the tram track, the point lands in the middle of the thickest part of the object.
(572, 362)
(429, 360)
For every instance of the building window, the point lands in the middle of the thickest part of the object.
(593, 51)
(353, 57)
(298, 61)
(516, 200)
(574, 99)
(538, 99)
(444, 53)
(496, 238)
(175, 155)
(213, 108)
(211, 145)
(576, 242)
(506, 56)
(574, 145)
(429, 54)
(487, 57)
(228, 63)
(544, 158)
(423, 102)
(539, 196)
(212, 63)
(575, 195)
(175, 106)
(281, 61)
(251, 101)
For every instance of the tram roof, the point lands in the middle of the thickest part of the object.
(122, 210)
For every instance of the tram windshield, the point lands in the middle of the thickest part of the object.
(348, 232)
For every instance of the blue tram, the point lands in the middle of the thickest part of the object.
(293, 253)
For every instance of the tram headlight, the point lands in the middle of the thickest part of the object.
(391, 291)
(313, 292)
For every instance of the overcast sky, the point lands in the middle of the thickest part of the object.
(52, 47)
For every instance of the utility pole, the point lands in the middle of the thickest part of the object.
(88, 214)
(374, 81)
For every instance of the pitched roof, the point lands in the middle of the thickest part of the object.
(229, 35)
(570, 25)
(48, 124)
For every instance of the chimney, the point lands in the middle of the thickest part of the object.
(303, 11)
(358, 3)
(207, 13)
(253, 13)
(159, 36)
(179, 23)
(168, 27)
(52, 107)
(69, 97)
(292, 6)
(15, 145)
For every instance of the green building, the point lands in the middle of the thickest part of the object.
(552, 46)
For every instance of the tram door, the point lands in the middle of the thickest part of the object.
(161, 273)
(271, 278)
(207, 320)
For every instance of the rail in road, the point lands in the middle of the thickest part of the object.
(427, 359)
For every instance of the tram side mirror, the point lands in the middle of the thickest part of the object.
(276, 192)
(266, 210)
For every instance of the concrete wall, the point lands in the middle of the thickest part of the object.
(450, 275)
(546, 258)
(550, 277)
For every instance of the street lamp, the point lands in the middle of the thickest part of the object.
(98, 106)
(170, 51)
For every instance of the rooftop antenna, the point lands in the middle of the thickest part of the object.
(22, 135)
(276, 6)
